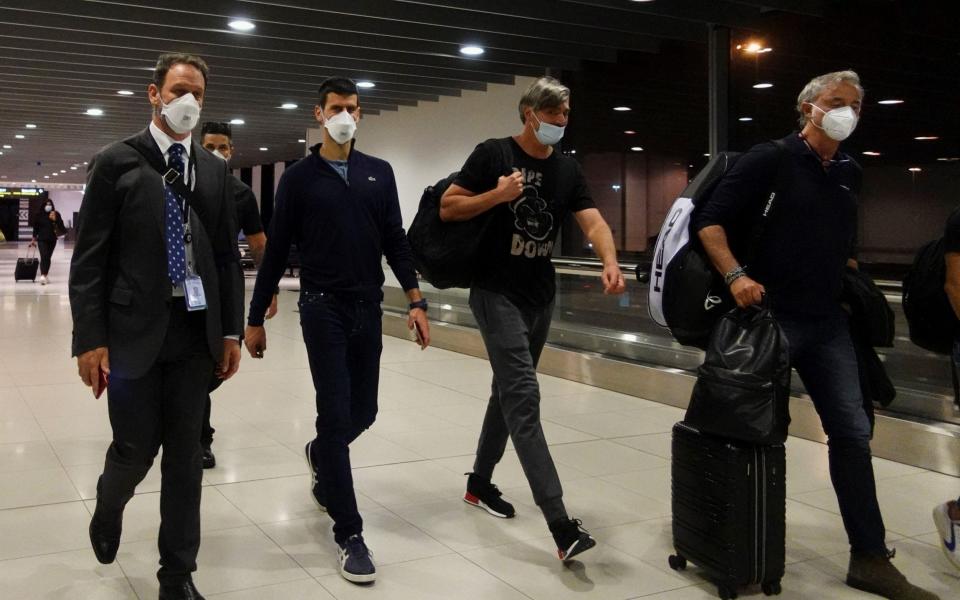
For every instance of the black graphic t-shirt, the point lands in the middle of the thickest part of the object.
(520, 239)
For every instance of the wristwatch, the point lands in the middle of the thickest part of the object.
(421, 304)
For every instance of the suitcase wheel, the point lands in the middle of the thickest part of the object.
(677, 562)
(771, 588)
(726, 592)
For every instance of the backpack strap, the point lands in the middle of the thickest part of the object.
(506, 156)
(779, 183)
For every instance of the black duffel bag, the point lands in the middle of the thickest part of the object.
(743, 387)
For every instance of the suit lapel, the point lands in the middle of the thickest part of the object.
(144, 143)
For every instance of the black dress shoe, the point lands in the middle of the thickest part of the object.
(209, 461)
(181, 590)
(105, 534)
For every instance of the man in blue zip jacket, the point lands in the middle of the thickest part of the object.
(341, 208)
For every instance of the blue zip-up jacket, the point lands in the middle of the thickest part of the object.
(342, 230)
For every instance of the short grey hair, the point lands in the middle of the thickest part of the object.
(545, 92)
(817, 85)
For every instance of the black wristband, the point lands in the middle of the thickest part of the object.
(421, 304)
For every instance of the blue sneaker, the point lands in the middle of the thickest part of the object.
(356, 561)
(316, 488)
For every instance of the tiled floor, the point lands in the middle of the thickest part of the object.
(263, 538)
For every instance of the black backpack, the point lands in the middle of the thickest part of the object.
(446, 253)
(930, 317)
(743, 386)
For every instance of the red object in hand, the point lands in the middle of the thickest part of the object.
(103, 383)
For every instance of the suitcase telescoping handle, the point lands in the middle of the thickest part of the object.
(31, 250)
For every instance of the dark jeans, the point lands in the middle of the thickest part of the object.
(45, 248)
(822, 353)
(164, 407)
(344, 342)
(514, 338)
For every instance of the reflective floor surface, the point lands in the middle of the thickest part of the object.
(264, 539)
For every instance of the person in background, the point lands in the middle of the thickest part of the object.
(218, 139)
(47, 227)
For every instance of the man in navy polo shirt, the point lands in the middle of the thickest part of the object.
(340, 207)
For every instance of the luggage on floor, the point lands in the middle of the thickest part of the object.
(27, 267)
(729, 510)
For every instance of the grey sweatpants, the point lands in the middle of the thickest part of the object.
(514, 338)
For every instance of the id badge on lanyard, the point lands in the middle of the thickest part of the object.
(192, 285)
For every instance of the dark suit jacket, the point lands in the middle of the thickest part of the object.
(120, 292)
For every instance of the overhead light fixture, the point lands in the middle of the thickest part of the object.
(745, 119)
(241, 25)
(20, 136)
(616, 187)
(573, 152)
(949, 159)
(753, 47)
(263, 148)
(7, 147)
(366, 84)
(622, 108)
(30, 126)
(707, 154)
(73, 168)
(301, 141)
(45, 177)
(914, 169)
(762, 85)
(237, 121)
(871, 153)
(891, 101)
(55, 174)
(630, 132)
(471, 50)
(926, 138)
(288, 106)
(637, 149)
(764, 50)
(95, 112)
(124, 92)
(63, 170)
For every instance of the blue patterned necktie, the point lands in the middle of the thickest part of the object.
(173, 230)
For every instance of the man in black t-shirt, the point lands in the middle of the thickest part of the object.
(513, 292)
(218, 139)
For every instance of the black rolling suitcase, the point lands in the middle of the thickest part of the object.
(27, 267)
(729, 510)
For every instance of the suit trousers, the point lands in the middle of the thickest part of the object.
(163, 408)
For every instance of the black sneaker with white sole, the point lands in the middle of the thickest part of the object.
(571, 538)
(356, 560)
(483, 494)
(316, 488)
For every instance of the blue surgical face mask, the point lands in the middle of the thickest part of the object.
(548, 134)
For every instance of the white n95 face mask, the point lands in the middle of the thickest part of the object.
(838, 123)
(182, 114)
(342, 127)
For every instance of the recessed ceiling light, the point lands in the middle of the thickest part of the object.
(73, 168)
(7, 147)
(85, 162)
(63, 170)
(471, 50)
(20, 136)
(926, 138)
(45, 177)
(615, 186)
(263, 148)
(891, 101)
(914, 169)
(707, 154)
(949, 159)
(288, 105)
(301, 141)
(871, 153)
(762, 86)
(621, 108)
(366, 84)
(95, 112)
(630, 132)
(55, 174)
(237, 121)
(637, 149)
(745, 119)
(33, 181)
(753, 47)
(30, 126)
(241, 25)
(124, 92)
(573, 152)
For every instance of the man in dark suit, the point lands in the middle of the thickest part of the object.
(156, 293)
